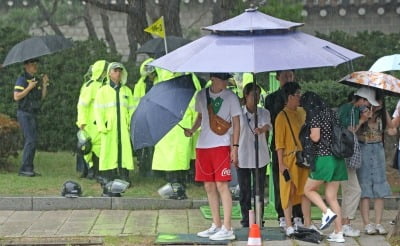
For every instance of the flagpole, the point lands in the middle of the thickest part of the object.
(165, 36)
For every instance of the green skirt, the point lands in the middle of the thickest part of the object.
(329, 168)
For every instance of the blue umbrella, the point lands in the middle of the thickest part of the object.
(386, 63)
(160, 110)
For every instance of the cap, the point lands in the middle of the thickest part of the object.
(223, 76)
(368, 94)
(31, 60)
(115, 65)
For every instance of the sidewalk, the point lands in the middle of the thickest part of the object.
(87, 227)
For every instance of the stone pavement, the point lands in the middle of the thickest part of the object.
(67, 227)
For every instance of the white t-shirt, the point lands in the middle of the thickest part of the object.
(230, 107)
(246, 153)
(397, 114)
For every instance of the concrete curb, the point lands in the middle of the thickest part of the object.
(119, 203)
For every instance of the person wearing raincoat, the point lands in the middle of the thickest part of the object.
(148, 77)
(177, 159)
(86, 118)
(113, 111)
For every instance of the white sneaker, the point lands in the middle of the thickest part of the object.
(327, 219)
(336, 237)
(210, 231)
(297, 222)
(370, 229)
(349, 231)
(282, 222)
(380, 229)
(313, 227)
(289, 231)
(223, 234)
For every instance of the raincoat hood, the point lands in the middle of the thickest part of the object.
(124, 73)
(97, 70)
(143, 71)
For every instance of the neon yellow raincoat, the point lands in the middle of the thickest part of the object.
(113, 111)
(85, 107)
(140, 87)
(174, 151)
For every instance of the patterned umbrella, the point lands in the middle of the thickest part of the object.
(386, 82)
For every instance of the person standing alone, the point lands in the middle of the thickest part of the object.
(28, 92)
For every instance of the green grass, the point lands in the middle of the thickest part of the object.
(56, 168)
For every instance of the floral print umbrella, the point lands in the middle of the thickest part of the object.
(386, 82)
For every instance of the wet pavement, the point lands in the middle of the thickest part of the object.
(89, 227)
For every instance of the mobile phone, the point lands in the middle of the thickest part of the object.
(286, 175)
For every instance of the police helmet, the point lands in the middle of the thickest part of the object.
(115, 188)
(84, 145)
(173, 191)
(71, 189)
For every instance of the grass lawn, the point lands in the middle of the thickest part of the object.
(56, 168)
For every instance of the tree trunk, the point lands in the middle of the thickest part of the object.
(221, 10)
(107, 32)
(48, 16)
(170, 10)
(88, 22)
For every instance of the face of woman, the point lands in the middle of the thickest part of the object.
(294, 99)
(250, 98)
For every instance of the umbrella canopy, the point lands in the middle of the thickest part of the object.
(160, 110)
(250, 21)
(35, 47)
(156, 46)
(386, 63)
(388, 83)
(255, 53)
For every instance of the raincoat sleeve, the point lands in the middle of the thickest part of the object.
(131, 105)
(85, 98)
(99, 112)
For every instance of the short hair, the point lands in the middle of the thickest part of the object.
(290, 88)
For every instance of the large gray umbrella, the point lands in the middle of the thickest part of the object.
(156, 46)
(35, 47)
(254, 42)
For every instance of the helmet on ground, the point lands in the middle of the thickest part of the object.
(173, 191)
(115, 188)
(71, 189)
(84, 145)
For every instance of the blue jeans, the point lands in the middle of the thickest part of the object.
(28, 124)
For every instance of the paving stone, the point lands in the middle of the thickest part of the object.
(4, 215)
(373, 240)
(19, 216)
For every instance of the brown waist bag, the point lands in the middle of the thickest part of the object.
(218, 125)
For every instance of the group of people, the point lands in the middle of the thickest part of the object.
(106, 105)
(296, 187)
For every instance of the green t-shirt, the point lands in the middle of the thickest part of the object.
(345, 114)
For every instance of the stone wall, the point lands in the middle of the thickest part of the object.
(320, 16)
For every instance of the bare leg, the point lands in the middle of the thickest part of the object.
(226, 197)
(213, 200)
(288, 211)
(306, 209)
(378, 207)
(331, 191)
(310, 190)
(364, 209)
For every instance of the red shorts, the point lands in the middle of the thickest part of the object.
(213, 164)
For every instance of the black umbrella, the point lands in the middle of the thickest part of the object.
(160, 110)
(35, 47)
(156, 46)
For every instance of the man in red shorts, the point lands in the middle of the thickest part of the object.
(214, 153)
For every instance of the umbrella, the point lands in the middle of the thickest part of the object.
(35, 47)
(254, 42)
(156, 46)
(386, 63)
(160, 110)
(386, 82)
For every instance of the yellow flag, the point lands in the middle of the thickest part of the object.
(157, 28)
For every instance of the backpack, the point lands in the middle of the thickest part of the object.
(307, 144)
(342, 141)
